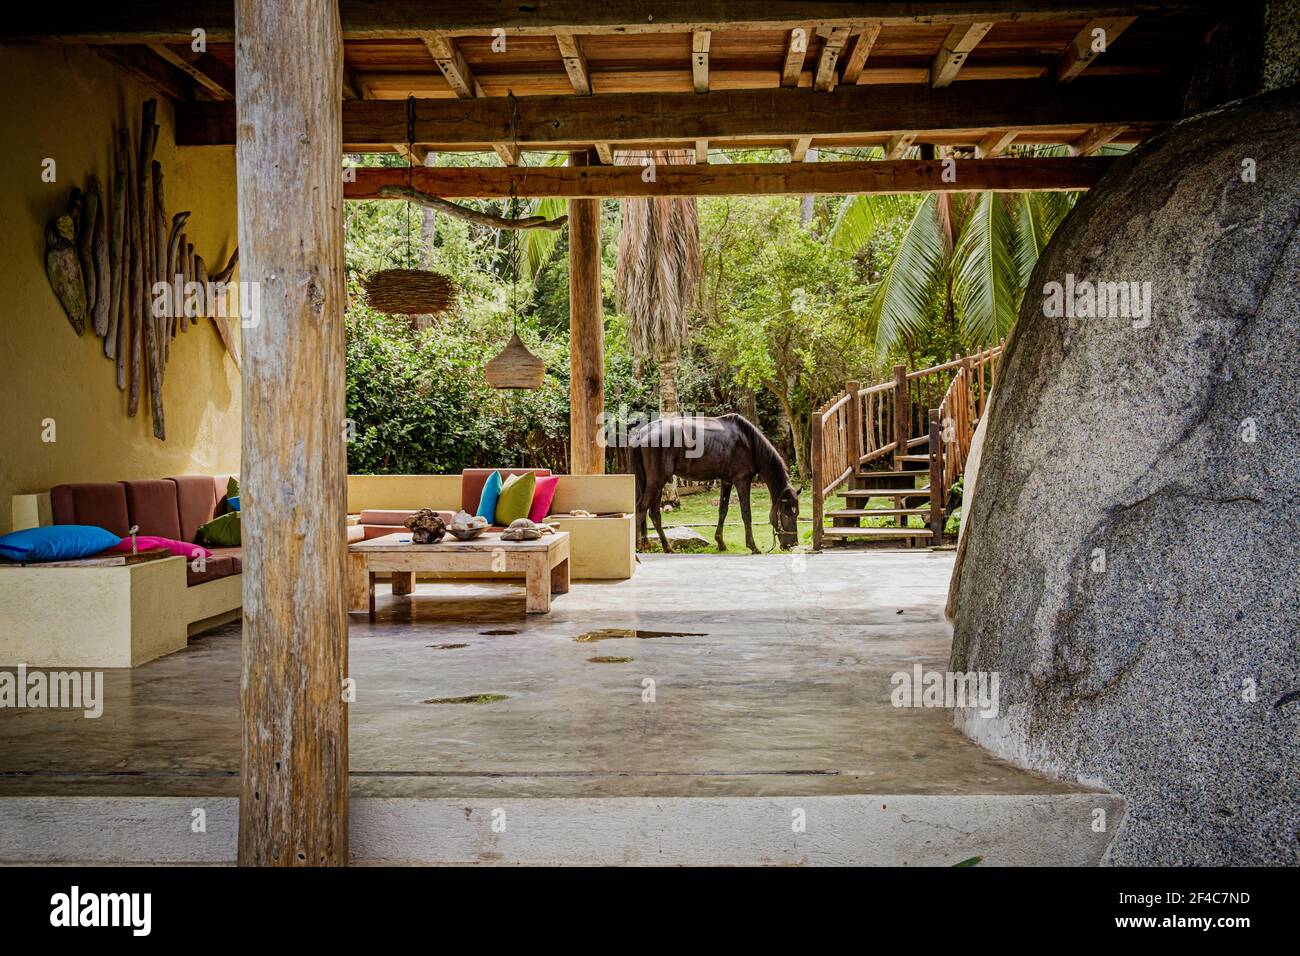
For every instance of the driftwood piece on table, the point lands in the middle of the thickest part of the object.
(64, 271)
(470, 215)
(133, 281)
(86, 240)
(153, 345)
(99, 259)
(116, 246)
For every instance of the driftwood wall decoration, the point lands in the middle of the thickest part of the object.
(120, 266)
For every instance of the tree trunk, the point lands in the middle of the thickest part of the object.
(293, 808)
(668, 386)
(795, 427)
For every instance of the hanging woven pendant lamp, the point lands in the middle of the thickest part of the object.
(409, 292)
(514, 366)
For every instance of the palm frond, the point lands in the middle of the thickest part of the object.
(901, 302)
(538, 244)
(1030, 235)
(987, 284)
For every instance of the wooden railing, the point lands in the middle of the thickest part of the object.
(936, 408)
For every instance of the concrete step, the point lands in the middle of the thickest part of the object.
(842, 531)
(1041, 829)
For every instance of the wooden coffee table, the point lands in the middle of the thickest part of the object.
(544, 563)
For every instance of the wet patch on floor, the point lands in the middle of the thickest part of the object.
(446, 647)
(499, 632)
(609, 660)
(625, 633)
(468, 699)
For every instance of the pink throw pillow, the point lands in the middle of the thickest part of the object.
(543, 495)
(183, 549)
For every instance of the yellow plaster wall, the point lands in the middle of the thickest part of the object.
(63, 103)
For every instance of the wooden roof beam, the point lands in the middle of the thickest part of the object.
(961, 40)
(146, 67)
(702, 151)
(165, 21)
(575, 63)
(605, 153)
(700, 41)
(1090, 42)
(1094, 139)
(898, 146)
(453, 66)
(204, 68)
(995, 143)
(859, 51)
(538, 122)
(833, 42)
(737, 179)
(796, 49)
(799, 149)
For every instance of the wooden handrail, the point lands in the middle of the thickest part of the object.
(937, 407)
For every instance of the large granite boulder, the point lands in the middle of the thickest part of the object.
(1132, 565)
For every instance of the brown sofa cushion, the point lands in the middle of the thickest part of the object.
(472, 481)
(196, 502)
(384, 516)
(101, 504)
(214, 568)
(152, 505)
(234, 554)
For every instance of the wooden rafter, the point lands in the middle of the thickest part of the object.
(995, 143)
(702, 151)
(796, 179)
(605, 153)
(700, 41)
(451, 62)
(777, 113)
(859, 51)
(899, 145)
(796, 50)
(204, 68)
(144, 66)
(155, 21)
(961, 40)
(799, 149)
(1094, 139)
(833, 41)
(575, 63)
(1084, 48)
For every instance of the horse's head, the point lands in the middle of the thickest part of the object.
(785, 518)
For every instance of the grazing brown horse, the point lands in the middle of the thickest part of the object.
(728, 449)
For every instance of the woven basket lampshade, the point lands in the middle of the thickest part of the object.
(515, 367)
(409, 292)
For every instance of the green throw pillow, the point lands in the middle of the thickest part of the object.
(232, 487)
(516, 498)
(221, 532)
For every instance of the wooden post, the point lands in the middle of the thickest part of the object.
(855, 425)
(936, 478)
(293, 808)
(902, 410)
(818, 481)
(586, 335)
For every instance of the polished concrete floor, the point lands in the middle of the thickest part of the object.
(702, 676)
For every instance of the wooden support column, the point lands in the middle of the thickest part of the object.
(586, 336)
(293, 808)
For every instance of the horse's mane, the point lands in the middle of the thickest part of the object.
(768, 461)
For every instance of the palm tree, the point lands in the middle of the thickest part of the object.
(974, 252)
(658, 268)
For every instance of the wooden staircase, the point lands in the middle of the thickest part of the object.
(893, 451)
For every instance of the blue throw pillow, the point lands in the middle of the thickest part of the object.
(56, 542)
(233, 501)
(487, 503)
